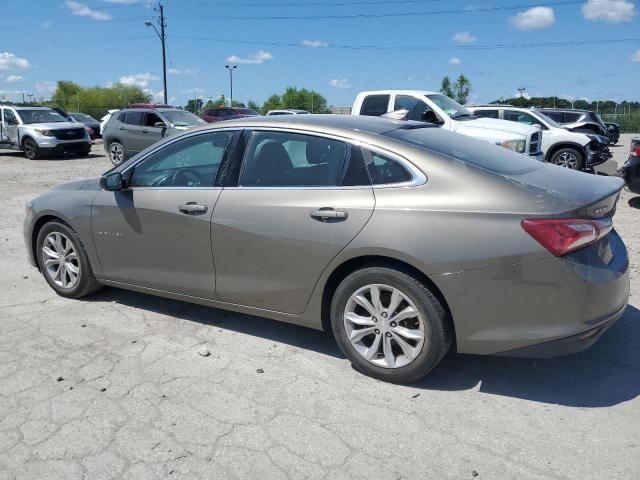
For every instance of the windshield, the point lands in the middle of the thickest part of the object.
(450, 106)
(549, 120)
(81, 117)
(182, 118)
(40, 116)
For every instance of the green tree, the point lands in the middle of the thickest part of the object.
(194, 105)
(445, 88)
(294, 97)
(253, 105)
(274, 102)
(461, 89)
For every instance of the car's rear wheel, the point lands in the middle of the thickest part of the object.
(63, 261)
(568, 158)
(117, 153)
(389, 325)
(31, 149)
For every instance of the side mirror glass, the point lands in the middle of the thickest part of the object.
(160, 125)
(112, 181)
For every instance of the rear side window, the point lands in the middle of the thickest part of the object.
(134, 118)
(275, 159)
(487, 113)
(375, 105)
(557, 116)
(384, 170)
(571, 117)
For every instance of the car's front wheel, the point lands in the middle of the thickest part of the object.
(389, 324)
(63, 261)
(117, 153)
(31, 149)
(568, 158)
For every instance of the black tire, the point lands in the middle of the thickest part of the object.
(437, 326)
(31, 149)
(86, 281)
(563, 158)
(117, 153)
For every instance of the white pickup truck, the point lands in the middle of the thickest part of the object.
(436, 108)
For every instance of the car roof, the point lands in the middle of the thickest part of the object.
(312, 122)
(31, 108)
(574, 110)
(401, 92)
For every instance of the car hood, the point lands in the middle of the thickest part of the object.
(55, 125)
(499, 125)
(92, 184)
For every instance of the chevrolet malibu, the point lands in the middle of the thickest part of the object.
(401, 239)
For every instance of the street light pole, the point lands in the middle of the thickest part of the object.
(231, 68)
(161, 36)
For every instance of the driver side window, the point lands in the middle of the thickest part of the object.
(192, 162)
(416, 107)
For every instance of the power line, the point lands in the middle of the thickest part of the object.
(310, 4)
(77, 44)
(467, 10)
(495, 46)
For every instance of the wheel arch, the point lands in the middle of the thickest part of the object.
(357, 263)
(35, 231)
(25, 137)
(561, 145)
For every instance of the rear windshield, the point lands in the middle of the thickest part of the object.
(470, 150)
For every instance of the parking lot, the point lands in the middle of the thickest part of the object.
(115, 386)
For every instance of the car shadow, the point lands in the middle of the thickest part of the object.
(634, 202)
(606, 374)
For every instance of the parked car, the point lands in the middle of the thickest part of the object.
(288, 111)
(131, 130)
(105, 119)
(227, 113)
(583, 121)
(40, 131)
(399, 237)
(88, 121)
(560, 146)
(613, 131)
(445, 112)
(630, 171)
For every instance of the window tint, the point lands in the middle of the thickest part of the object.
(121, 117)
(571, 117)
(520, 117)
(383, 170)
(192, 162)
(487, 113)
(355, 171)
(276, 159)
(134, 118)
(416, 107)
(557, 116)
(10, 117)
(375, 105)
(151, 119)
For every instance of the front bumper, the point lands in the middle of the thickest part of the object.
(78, 147)
(537, 156)
(597, 153)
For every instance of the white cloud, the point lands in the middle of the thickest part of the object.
(534, 19)
(635, 56)
(14, 78)
(254, 58)
(193, 91)
(185, 71)
(314, 43)
(523, 95)
(140, 80)
(454, 61)
(464, 38)
(10, 95)
(610, 11)
(340, 83)
(45, 88)
(9, 61)
(81, 10)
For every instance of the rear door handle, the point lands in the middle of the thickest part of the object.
(192, 208)
(327, 213)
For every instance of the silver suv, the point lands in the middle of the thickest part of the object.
(130, 131)
(38, 131)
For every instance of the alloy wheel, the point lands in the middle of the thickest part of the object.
(29, 149)
(567, 160)
(384, 326)
(116, 153)
(60, 260)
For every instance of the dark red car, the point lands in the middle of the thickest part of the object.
(227, 113)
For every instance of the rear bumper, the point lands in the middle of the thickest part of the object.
(630, 172)
(513, 307)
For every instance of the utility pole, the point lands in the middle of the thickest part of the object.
(22, 97)
(161, 36)
(522, 90)
(231, 68)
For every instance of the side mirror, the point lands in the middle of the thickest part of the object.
(160, 124)
(112, 181)
(430, 116)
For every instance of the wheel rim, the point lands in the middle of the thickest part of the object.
(384, 326)
(116, 153)
(29, 149)
(567, 160)
(60, 260)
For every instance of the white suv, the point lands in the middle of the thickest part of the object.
(568, 149)
(436, 108)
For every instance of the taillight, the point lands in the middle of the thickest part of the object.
(565, 235)
(635, 149)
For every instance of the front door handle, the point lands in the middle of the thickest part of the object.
(328, 213)
(192, 208)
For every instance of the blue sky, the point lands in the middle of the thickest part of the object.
(95, 42)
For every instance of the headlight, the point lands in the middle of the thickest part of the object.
(599, 139)
(44, 131)
(515, 145)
